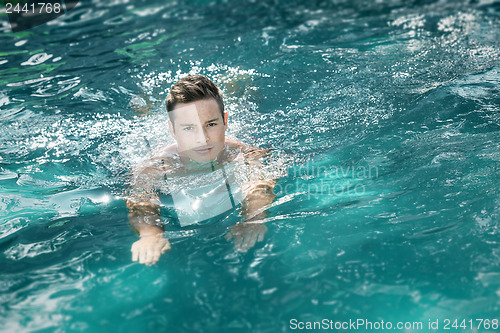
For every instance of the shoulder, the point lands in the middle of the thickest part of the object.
(250, 153)
(162, 162)
(166, 152)
(233, 144)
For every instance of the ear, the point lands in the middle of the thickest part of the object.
(225, 120)
(171, 129)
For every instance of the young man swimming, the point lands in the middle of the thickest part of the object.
(197, 122)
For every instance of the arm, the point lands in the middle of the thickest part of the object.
(258, 197)
(260, 190)
(144, 217)
(141, 103)
(151, 245)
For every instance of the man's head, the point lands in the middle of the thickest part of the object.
(193, 88)
(197, 119)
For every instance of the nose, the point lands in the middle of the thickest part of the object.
(202, 136)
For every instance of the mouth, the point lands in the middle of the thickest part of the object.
(205, 150)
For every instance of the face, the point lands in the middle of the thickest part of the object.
(199, 130)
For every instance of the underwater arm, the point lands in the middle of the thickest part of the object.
(145, 219)
(252, 228)
(258, 198)
(144, 216)
(259, 195)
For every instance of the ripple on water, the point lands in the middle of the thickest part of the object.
(404, 89)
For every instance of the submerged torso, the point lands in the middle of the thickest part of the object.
(197, 198)
(195, 193)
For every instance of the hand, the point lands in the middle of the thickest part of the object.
(148, 249)
(246, 234)
(140, 103)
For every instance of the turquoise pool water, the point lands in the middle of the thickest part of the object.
(390, 209)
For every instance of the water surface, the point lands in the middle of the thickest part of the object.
(390, 208)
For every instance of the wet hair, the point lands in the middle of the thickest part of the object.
(193, 88)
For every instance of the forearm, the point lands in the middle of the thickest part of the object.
(257, 200)
(252, 230)
(145, 219)
(146, 225)
(152, 244)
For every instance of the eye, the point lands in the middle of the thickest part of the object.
(188, 128)
(211, 124)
